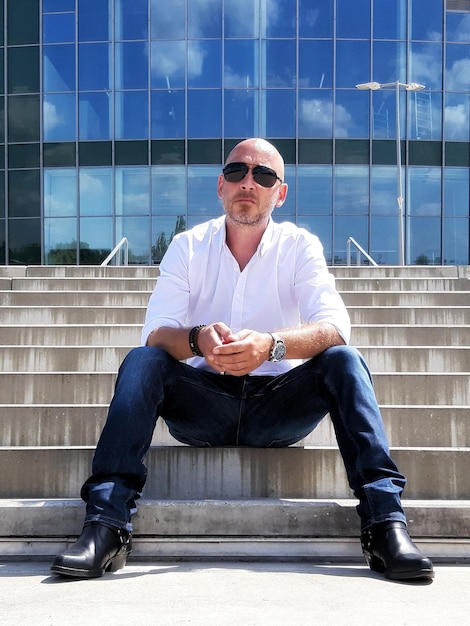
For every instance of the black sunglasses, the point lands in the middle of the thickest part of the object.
(264, 176)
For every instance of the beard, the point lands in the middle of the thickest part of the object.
(247, 214)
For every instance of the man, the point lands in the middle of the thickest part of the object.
(251, 306)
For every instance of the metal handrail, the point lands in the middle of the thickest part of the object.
(117, 249)
(359, 251)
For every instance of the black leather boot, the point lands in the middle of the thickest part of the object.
(99, 549)
(388, 549)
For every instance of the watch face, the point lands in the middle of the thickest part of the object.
(279, 351)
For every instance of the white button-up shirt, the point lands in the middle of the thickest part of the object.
(285, 284)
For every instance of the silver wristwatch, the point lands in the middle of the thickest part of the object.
(278, 350)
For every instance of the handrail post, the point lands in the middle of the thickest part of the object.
(124, 242)
(360, 251)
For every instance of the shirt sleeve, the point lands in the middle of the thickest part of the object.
(319, 301)
(169, 302)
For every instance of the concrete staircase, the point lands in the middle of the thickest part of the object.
(63, 333)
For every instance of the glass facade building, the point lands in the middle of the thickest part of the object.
(116, 116)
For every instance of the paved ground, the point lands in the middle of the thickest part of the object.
(222, 594)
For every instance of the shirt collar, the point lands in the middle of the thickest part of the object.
(264, 244)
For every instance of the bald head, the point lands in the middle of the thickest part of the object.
(258, 151)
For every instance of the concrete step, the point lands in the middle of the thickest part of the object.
(81, 299)
(97, 388)
(233, 529)
(18, 315)
(81, 424)
(416, 336)
(88, 283)
(422, 316)
(403, 298)
(106, 357)
(93, 271)
(71, 335)
(106, 333)
(400, 284)
(394, 271)
(217, 473)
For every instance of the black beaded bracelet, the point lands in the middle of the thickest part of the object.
(193, 333)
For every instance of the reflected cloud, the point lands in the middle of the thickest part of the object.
(458, 76)
(457, 122)
(169, 60)
(52, 117)
(315, 117)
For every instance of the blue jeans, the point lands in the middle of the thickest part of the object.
(206, 409)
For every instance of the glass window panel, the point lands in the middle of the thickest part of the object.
(315, 18)
(241, 62)
(132, 190)
(96, 194)
(457, 76)
(131, 19)
(59, 117)
(23, 69)
(458, 27)
(384, 114)
(21, 31)
(384, 240)
(353, 19)
(315, 64)
(25, 241)
(315, 113)
(24, 193)
(322, 227)
(60, 192)
(426, 20)
(58, 27)
(241, 112)
(389, 61)
(205, 19)
(168, 64)
(456, 238)
(389, 20)
(424, 191)
(351, 186)
(456, 192)
(94, 115)
(137, 232)
(204, 63)
(23, 118)
(168, 109)
(242, 21)
(164, 229)
(351, 116)
(424, 241)
(2, 71)
(204, 113)
(94, 65)
(2, 194)
(279, 63)
(131, 65)
(94, 20)
(345, 227)
(170, 23)
(59, 68)
(168, 190)
(51, 6)
(2, 120)
(278, 19)
(202, 191)
(315, 189)
(96, 239)
(288, 209)
(132, 116)
(457, 117)
(425, 64)
(278, 113)
(2, 243)
(352, 63)
(60, 241)
(383, 190)
(425, 115)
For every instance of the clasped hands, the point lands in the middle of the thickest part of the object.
(233, 353)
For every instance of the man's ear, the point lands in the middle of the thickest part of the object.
(282, 195)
